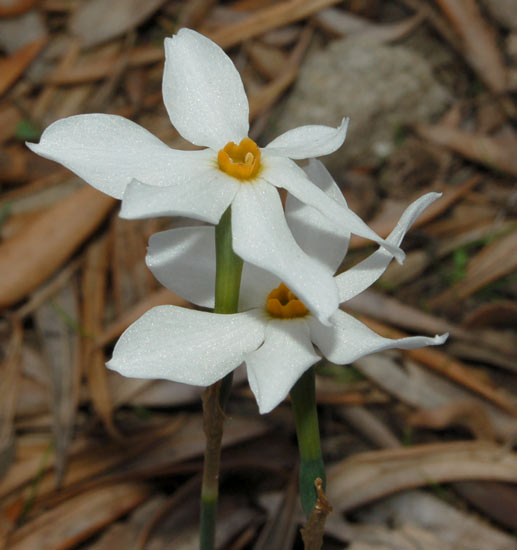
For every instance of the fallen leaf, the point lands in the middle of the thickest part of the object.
(466, 413)
(478, 41)
(389, 216)
(502, 313)
(496, 260)
(266, 19)
(57, 323)
(497, 500)
(158, 298)
(419, 388)
(497, 153)
(12, 67)
(9, 389)
(15, 7)
(369, 476)
(33, 254)
(72, 522)
(95, 22)
(93, 361)
(341, 23)
(455, 528)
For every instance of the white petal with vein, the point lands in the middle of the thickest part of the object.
(193, 347)
(358, 278)
(108, 151)
(347, 339)
(203, 91)
(261, 236)
(309, 141)
(275, 367)
(314, 232)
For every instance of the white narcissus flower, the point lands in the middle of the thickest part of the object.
(206, 102)
(275, 334)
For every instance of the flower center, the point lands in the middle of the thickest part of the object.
(283, 304)
(240, 161)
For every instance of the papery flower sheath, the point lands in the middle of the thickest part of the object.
(275, 334)
(206, 102)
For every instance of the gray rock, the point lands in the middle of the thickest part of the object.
(379, 87)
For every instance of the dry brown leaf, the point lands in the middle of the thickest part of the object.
(70, 523)
(279, 531)
(9, 119)
(95, 22)
(422, 389)
(12, 67)
(455, 528)
(93, 361)
(35, 253)
(269, 61)
(268, 94)
(478, 41)
(57, 325)
(503, 313)
(131, 280)
(497, 500)
(467, 413)
(497, 153)
(193, 12)
(387, 219)
(494, 261)
(159, 298)
(451, 368)
(9, 387)
(68, 60)
(369, 476)
(15, 7)
(341, 23)
(267, 19)
(100, 67)
(390, 310)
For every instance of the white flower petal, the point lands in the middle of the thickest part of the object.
(108, 151)
(204, 198)
(275, 367)
(183, 345)
(283, 172)
(347, 339)
(353, 281)
(261, 237)
(203, 91)
(256, 284)
(183, 260)
(309, 141)
(316, 234)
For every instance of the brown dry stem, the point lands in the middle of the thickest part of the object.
(312, 533)
(213, 420)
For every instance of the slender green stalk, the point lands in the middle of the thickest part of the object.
(303, 399)
(227, 288)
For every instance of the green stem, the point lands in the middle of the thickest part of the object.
(227, 288)
(303, 400)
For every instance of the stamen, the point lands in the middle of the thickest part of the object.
(283, 304)
(240, 161)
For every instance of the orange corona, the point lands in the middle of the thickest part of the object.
(240, 161)
(283, 304)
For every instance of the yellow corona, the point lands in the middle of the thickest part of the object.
(283, 304)
(240, 161)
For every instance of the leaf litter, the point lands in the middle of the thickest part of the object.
(91, 460)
